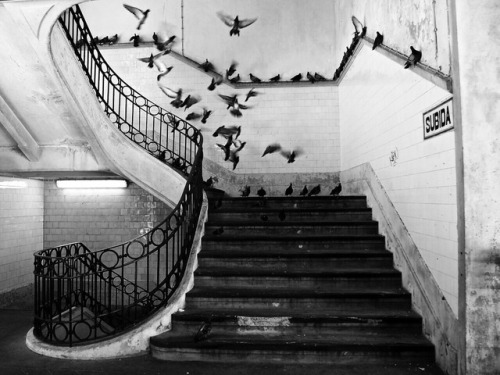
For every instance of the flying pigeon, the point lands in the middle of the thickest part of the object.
(235, 79)
(206, 114)
(289, 190)
(254, 78)
(166, 45)
(235, 23)
(234, 156)
(378, 40)
(271, 149)
(229, 131)
(251, 94)
(151, 59)
(139, 14)
(336, 190)
(315, 190)
(226, 147)
(233, 105)
(360, 30)
(414, 58)
(190, 101)
(232, 69)
(291, 155)
(193, 116)
(214, 83)
(275, 78)
(162, 68)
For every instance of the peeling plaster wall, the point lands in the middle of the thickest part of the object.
(290, 36)
(421, 178)
(424, 24)
(21, 232)
(303, 116)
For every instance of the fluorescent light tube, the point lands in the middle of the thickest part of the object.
(91, 184)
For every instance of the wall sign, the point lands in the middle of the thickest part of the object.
(439, 119)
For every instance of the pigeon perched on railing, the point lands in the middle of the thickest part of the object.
(378, 40)
(414, 58)
(254, 78)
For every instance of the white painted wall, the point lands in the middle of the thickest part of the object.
(290, 36)
(304, 116)
(21, 231)
(421, 23)
(381, 107)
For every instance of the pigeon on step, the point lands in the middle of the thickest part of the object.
(289, 190)
(315, 190)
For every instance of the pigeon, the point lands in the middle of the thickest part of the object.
(235, 79)
(336, 190)
(296, 78)
(136, 39)
(311, 78)
(254, 78)
(414, 58)
(233, 104)
(162, 68)
(275, 78)
(162, 156)
(234, 154)
(232, 69)
(315, 190)
(176, 95)
(282, 215)
(235, 23)
(271, 149)
(139, 14)
(95, 41)
(155, 38)
(193, 116)
(176, 125)
(226, 147)
(151, 59)
(245, 192)
(304, 191)
(206, 66)
(378, 40)
(80, 43)
(319, 77)
(289, 190)
(103, 40)
(261, 192)
(113, 39)
(206, 114)
(229, 131)
(166, 45)
(208, 183)
(214, 83)
(218, 231)
(360, 30)
(337, 74)
(203, 331)
(291, 155)
(251, 94)
(264, 217)
(179, 164)
(190, 101)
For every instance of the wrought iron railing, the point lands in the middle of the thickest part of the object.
(83, 296)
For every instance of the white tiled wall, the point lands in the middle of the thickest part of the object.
(381, 108)
(21, 232)
(303, 116)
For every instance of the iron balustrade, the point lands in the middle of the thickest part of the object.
(84, 296)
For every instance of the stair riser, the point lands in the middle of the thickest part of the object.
(289, 327)
(322, 283)
(295, 264)
(241, 217)
(303, 246)
(277, 304)
(279, 204)
(335, 357)
(296, 231)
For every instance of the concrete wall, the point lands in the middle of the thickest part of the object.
(98, 217)
(303, 116)
(290, 36)
(424, 24)
(381, 107)
(21, 231)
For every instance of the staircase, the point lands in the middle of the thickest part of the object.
(315, 285)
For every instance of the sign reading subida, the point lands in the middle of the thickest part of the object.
(439, 119)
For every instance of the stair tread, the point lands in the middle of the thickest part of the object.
(296, 198)
(195, 314)
(311, 272)
(272, 292)
(308, 237)
(260, 223)
(295, 253)
(263, 209)
(347, 341)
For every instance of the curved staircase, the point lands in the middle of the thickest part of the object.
(314, 286)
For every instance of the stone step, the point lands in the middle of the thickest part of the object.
(292, 215)
(294, 230)
(308, 279)
(278, 299)
(304, 244)
(294, 260)
(290, 202)
(346, 348)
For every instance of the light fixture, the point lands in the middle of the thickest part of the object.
(92, 184)
(13, 184)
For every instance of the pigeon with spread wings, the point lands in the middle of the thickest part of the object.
(139, 14)
(235, 23)
(233, 105)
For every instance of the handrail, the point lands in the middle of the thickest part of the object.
(84, 296)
